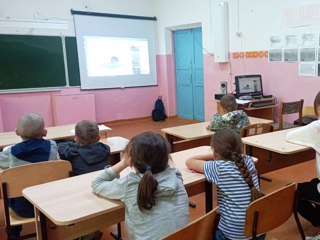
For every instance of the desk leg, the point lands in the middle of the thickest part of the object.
(117, 235)
(208, 193)
(170, 138)
(41, 225)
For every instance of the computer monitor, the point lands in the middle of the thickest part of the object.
(248, 85)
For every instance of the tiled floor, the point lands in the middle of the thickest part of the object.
(297, 173)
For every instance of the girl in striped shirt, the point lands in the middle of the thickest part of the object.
(235, 176)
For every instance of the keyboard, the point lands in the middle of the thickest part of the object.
(261, 104)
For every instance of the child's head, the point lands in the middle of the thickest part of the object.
(227, 145)
(149, 153)
(30, 126)
(317, 104)
(87, 132)
(228, 103)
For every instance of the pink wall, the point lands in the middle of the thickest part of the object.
(280, 79)
(110, 105)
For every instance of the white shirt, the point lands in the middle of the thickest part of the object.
(309, 136)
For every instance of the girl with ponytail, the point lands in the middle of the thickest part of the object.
(236, 179)
(156, 202)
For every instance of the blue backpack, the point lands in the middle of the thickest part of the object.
(159, 113)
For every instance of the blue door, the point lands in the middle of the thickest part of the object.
(189, 73)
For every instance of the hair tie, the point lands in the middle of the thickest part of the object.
(149, 168)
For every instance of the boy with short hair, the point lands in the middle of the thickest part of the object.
(87, 154)
(33, 148)
(228, 115)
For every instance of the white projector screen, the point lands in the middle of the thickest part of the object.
(115, 52)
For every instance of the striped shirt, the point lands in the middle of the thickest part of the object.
(233, 194)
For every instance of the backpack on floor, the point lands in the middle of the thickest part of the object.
(159, 112)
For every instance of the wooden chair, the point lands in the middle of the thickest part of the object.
(271, 211)
(14, 180)
(286, 108)
(203, 228)
(256, 129)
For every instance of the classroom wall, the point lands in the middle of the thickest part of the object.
(39, 17)
(254, 21)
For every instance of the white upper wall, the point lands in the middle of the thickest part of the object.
(255, 20)
(40, 16)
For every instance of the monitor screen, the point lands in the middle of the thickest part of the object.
(250, 85)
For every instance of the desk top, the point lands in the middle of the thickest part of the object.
(71, 200)
(199, 130)
(54, 133)
(274, 142)
(116, 144)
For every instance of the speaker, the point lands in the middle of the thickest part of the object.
(220, 30)
(223, 87)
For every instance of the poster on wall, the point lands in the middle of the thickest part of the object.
(307, 69)
(307, 54)
(290, 55)
(275, 55)
(308, 40)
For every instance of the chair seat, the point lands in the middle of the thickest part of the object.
(17, 220)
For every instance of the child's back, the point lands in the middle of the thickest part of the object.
(235, 176)
(155, 198)
(33, 148)
(87, 154)
(228, 116)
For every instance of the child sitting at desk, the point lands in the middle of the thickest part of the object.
(156, 202)
(33, 148)
(309, 135)
(87, 154)
(235, 175)
(228, 115)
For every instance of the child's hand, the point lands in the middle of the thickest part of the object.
(125, 159)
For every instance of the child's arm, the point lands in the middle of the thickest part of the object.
(5, 158)
(107, 185)
(196, 162)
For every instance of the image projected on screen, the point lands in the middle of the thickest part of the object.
(112, 56)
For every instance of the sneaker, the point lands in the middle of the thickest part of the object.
(316, 237)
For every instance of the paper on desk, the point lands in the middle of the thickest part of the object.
(242, 102)
(101, 128)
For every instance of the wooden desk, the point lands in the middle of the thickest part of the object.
(116, 144)
(69, 209)
(54, 133)
(274, 152)
(266, 112)
(196, 134)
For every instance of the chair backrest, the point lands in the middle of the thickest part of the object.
(18, 178)
(270, 211)
(256, 129)
(290, 108)
(200, 229)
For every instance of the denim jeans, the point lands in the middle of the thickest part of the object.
(220, 236)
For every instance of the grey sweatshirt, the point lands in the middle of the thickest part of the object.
(170, 212)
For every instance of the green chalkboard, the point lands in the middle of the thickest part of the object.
(72, 60)
(31, 62)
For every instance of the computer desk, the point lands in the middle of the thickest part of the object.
(266, 112)
(67, 209)
(55, 133)
(195, 134)
(274, 152)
